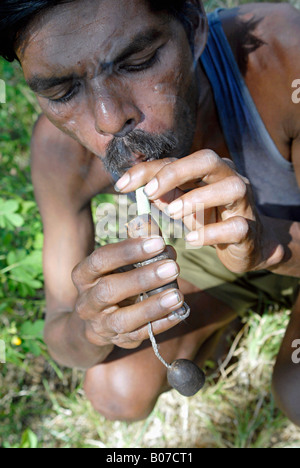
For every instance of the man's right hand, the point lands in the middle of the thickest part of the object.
(108, 299)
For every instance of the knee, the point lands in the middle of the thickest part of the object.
(117, 397)
(286, 393)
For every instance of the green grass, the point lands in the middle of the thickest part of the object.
(43, 405)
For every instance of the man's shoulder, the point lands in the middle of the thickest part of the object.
(271, 29)
(278, 26)
(265, 40)
(275, 14)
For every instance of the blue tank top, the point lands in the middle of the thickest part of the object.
(252, 149)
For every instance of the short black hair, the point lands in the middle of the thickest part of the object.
(15, 15)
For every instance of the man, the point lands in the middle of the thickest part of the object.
(139, 89)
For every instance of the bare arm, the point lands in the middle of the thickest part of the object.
(64, 180)
(286, 232)
(85, 322)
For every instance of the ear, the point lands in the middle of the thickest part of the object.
(196, 14)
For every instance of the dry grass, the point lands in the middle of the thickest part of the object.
(235, 409)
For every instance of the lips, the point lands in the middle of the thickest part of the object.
(137, 159)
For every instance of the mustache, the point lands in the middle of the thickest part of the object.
(119, 157)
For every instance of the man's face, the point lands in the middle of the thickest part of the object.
(111, 74)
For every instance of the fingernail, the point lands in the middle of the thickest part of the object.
(177, 314)
(154, 245)
(151, 188)
(122, 183)
(192, 236)
(171, 299)
(174, 207)
(167, 270)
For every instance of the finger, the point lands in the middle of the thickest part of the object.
(232, 231)
(140, 175)
(154, 308)
(113, 289)
(204, 165)
(111, 257)
(230, 163)
(135, 338)
(227, 192)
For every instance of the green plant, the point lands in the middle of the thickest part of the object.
(29, 440)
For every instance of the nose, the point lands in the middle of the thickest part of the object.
(116, 115)
(127, 128)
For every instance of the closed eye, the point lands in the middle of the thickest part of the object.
(134, 67)
(73, 91)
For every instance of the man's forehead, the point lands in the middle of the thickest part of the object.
(81, 28)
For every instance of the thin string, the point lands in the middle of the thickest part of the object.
(155, 347)
(152, 337)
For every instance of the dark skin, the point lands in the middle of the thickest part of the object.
(92, 321)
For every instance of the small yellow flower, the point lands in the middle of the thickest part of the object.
(16, 341)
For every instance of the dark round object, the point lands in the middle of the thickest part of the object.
(186, 377)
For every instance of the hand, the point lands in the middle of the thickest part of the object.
(230, 221)
(108, 299)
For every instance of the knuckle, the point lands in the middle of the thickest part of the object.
(142, 169)
(170, 171)
(76, 275)
(130, 249)
(210, 157)
(151, 309)
(245, 179)
(145, 276)
(167, 161)
(80, 308)
(104, 291)
(95, 261)
(128, 344)
(135, 336)
(93, 337)
(117, 325)
(90, 336)
(239, 186)
(240, 227)
(229, 163)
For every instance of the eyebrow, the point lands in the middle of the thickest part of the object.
(39, 84)
(140, 42)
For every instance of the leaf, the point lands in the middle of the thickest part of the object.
(38, 328)
(27, 206)
(32, 330)
(22, 278)
(34, 348)
(10, 206)
(15, 219)
(15, 256)
(29, 439)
